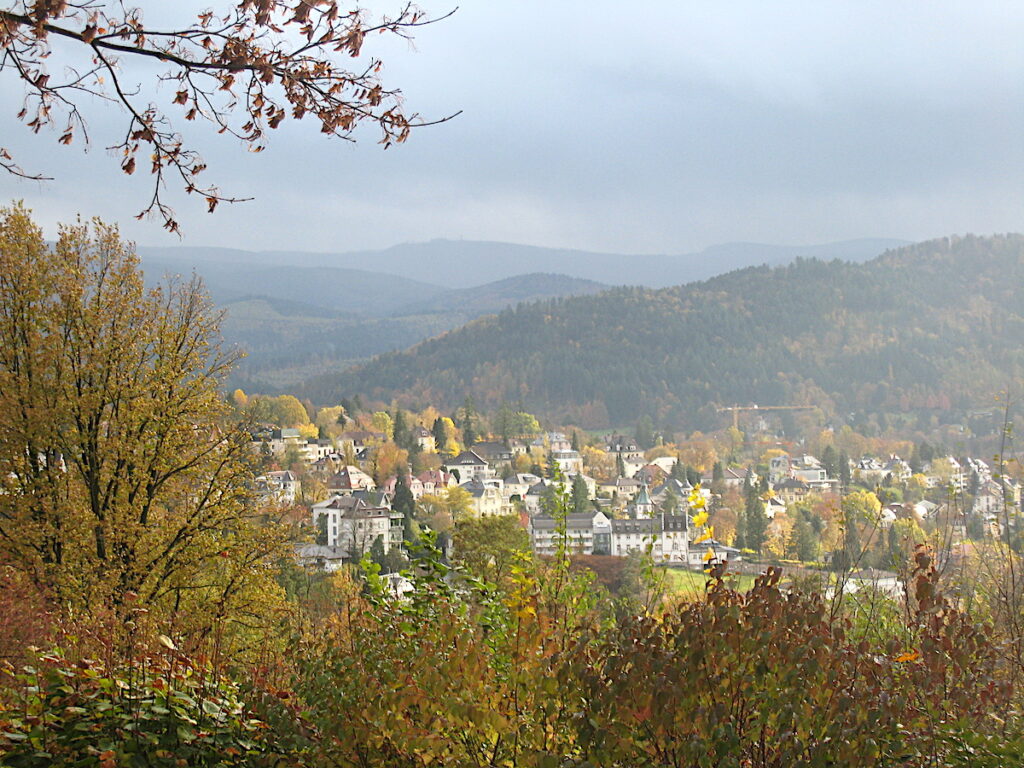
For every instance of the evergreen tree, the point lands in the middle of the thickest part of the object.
(580, 498)
(717, 472)
(551, 468)
(405, 503)
(400, 432)
(756, 522)
(925, 452)
(620, 465)
(575, 440)
(895, 555)
(440, 434)
(741, 528)
(468, 423)
(645, 433)
(830, 461)
(678, 472)
(505, 422)
(849, 555)
(805, 541)
(844, 470)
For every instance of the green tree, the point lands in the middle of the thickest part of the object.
(755, 521)
(844, 470)
(830, 461)
(805, 543)
(580, 497)
(404, 502)
(382, 422)
(468, 423)
(488, 547)
(440, 434)
(526, 424)
(401, 433)
(504, 422)
(644, 433)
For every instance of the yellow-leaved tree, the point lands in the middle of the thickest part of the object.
(123, 476)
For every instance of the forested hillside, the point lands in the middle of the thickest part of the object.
(931, 327)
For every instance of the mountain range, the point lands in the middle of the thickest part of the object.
(923, 330)
(470, 263)
(299, 314)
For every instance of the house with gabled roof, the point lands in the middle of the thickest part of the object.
(413, 483)
(436, 480)
(282, 487)
(494, 452)
(468, 465)
(354, 523)
(349, 479)
(424, 438)
(487, 498)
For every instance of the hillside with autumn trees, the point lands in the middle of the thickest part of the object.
(156, 607)
(927, 330)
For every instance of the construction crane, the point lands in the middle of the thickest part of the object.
(737, 408)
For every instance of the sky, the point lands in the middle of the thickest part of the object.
(644, 127)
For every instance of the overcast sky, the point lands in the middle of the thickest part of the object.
(635, 127)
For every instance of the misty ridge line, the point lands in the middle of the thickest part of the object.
(467, 264)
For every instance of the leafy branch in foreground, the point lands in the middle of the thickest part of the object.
(244, 70)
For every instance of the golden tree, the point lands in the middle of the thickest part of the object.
(122, 476)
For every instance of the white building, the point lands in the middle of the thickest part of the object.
(487, 497)
(587, 533)
(354, 524)
(281, 487)
(667, 536)
(468, 465)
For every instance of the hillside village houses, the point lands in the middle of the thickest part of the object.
(278, 488)
(641, 504)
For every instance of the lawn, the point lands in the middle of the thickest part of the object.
(691, 583)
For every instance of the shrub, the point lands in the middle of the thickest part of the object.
(158, 710)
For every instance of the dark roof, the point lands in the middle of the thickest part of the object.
(492, 447)
(466, 458)
(475, 487)
(574, 521)
(352, 506)
(645, 525)
(674, 522)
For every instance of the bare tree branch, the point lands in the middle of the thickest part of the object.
(244, 71)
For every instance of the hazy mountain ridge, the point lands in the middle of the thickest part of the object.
(931, 326)
(302, 314)
(469, 263)
(496, 296)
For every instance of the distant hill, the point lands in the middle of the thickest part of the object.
(932, 327)
(302, 314)
(287, 341)
(354, 291)
(496, 296)
(468, 263)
